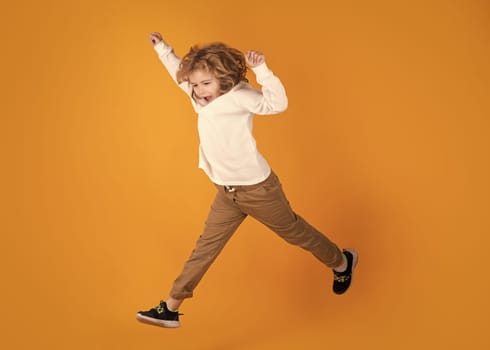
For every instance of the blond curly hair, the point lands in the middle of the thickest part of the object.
(225, 63)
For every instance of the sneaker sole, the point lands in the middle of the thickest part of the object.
(155, 322)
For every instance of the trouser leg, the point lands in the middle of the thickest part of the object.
(223, 219)
(269, 205)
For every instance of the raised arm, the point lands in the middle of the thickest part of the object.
(273, 97)
(168, 58)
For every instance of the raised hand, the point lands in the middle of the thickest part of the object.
(254, 58)
(155, 38)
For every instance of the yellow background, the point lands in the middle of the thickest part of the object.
(385, 147)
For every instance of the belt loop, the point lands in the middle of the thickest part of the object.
(229, 189)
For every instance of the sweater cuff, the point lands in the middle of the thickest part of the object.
(261, 70)
(161, 48)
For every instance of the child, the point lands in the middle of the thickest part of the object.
(214, 78)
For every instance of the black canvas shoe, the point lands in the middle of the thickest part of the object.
(159, 316)
(342, 280)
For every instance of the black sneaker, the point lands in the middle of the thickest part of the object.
(159, 316)
(342, 280)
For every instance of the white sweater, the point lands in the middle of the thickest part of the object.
(227, 152)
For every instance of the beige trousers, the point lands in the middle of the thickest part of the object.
(267, 203)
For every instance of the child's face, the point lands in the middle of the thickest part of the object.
(205, 85)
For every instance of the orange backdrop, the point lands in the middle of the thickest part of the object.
(384, 147)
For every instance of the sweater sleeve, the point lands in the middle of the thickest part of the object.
(271, 100)
(171, 62)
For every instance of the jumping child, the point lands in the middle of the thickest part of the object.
(213, 76)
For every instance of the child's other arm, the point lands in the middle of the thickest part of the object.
(168, 58)
(273, 98)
